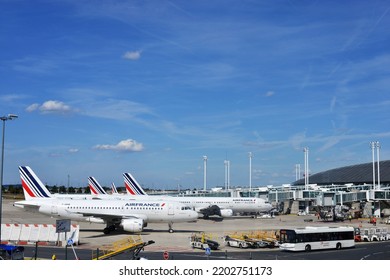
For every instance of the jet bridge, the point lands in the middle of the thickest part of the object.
(132, 244)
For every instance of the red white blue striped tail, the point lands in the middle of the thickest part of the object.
(95, 187)
(32, 185)
(132, 186)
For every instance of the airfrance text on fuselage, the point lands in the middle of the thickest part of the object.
(144, 204)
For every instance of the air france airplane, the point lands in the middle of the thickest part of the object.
(205, 206)
(132, 214)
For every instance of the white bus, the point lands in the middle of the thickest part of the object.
(316, 238)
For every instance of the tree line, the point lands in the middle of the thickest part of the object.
(17, 189)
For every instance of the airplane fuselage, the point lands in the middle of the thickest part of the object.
(83, 210)
(235, 204)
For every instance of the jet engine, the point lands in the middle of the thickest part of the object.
(132, 225)
(226, 213)
(214, 210)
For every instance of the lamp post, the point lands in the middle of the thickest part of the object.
(204, 173)
(4, 119)
(306, 152)
(250, 155)
(378, 146)
(226, 174)
(373, 144)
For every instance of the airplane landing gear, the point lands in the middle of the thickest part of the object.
(108, 229)
(170, 228)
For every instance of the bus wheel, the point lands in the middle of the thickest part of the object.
(307, 248)
(338, 246)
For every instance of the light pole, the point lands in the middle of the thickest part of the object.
(4, 119)
(226, 174)
(250, 155)
(306, 151)
(378, 146)
(204, 173)
(375, 145)
(372, 144)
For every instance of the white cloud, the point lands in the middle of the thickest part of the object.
(132, 55)
(32, 107)
(54, 106)
(73, 150)
(269, 93)
(128, 145)
(50, 106)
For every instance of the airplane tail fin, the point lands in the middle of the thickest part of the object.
(113, 189)
(32, 185)
(132, 186)
(95, 187)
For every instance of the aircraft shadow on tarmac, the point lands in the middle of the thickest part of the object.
(118, 232)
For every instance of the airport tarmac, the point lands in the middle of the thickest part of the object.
(92, 236)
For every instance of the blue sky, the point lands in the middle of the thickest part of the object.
(150, 87)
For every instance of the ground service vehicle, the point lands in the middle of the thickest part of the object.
(203, 243)
(256, 243)
(316, 238)
(358, 237)
(235, 242)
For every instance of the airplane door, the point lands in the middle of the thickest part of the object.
(171, 208)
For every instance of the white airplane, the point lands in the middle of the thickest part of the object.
(206, 206)
(132, 214)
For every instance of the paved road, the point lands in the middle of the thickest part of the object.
(362, 251)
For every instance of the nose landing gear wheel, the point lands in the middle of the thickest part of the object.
(170, 227)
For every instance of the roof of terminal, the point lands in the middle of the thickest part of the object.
(355, 174)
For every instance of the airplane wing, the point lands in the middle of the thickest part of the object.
(27, 203)
(130, 223)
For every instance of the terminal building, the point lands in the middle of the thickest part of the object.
(353, 187)
(359, 187)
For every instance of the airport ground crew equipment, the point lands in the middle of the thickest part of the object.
(253, 239)
(236, 242)
(133, 244)
(372, 234)
(203, 241)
